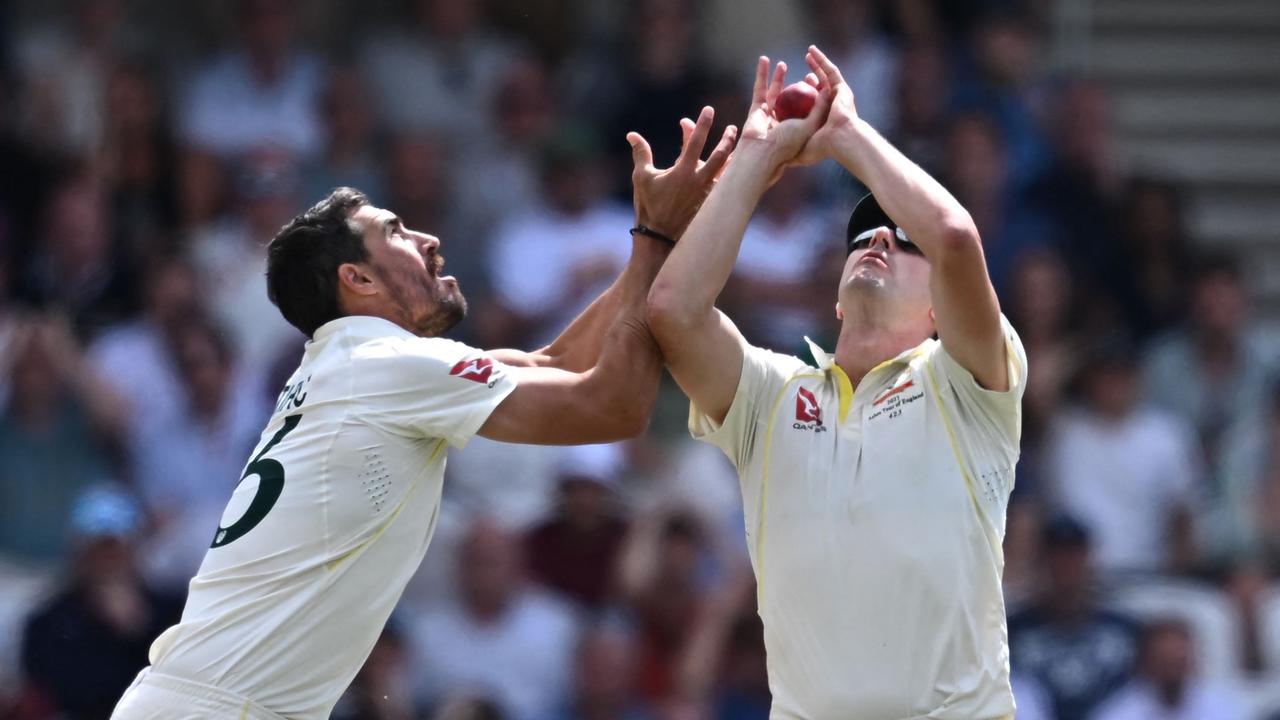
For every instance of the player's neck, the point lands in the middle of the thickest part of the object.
(865, 342)
(385, 311)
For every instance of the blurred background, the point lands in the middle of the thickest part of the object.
(1121, 159)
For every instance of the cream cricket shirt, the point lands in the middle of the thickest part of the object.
(332, 517)
(874, 521)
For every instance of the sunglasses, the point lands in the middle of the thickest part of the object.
(863, 241)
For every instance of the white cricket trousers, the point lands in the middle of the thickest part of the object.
(156, 696)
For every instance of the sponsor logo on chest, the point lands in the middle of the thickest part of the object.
(808, 412)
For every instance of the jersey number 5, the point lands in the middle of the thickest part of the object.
(270, 484)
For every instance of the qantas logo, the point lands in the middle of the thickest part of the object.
(808, 412)
(476, 370)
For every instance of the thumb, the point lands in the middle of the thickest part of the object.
(641, 154)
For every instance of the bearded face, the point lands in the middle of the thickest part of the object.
(408, 266)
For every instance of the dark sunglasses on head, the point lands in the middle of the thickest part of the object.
(863, 241)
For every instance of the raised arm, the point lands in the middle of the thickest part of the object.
(966, 311)
(702, 347)
(665, 201)
(598, 381)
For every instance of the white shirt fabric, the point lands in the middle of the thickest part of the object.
(522, 660)
(1124, 480)
(286, 613)
(1138, 701)
(874, 522)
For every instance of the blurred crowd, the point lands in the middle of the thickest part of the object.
(148, 150)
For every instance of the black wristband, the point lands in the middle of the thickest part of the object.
(650, 232)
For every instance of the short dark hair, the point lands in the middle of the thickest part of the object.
(303, 259)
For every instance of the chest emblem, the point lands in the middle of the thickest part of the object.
(808, 412)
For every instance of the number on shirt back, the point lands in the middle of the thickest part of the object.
(270, 484)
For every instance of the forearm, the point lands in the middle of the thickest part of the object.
(917, 203)
(623, 379)
(576, 348)
(700, 265)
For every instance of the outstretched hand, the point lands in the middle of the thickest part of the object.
(782, 139)
(842, 114)
(667, 199)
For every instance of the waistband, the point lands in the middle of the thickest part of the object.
(208, 696)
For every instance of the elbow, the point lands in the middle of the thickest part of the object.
(667, 312)
(958, 235)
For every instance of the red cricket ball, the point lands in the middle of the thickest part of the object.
(795, 101)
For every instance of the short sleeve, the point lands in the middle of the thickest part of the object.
(764, 373)
(986, 425)
(430, 387)
(998, 413)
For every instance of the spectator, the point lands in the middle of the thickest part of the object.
(773, 284)
(523, 116)
(921, 98)
(721, 671)
(1166, 687)
(1215, 369)
(661, 577)
(75, 268)
(1154, 269)
(138, 163)
(65, 69)
(440, 73)
(1078, 192)
(500, 639)
(263, 93)
(85, 645)
(59, 434)
(232, 261)
(978, 172)
(135, 358)
(1250, 467)
(550, 262)
(1077, 652)
(663, 77)
(576, 550)
(188, 463)
(1129, 471)
(23, 184)
(1001, 78)
(1042, 308)
(604, 677)
(381, 690)
(350, 157)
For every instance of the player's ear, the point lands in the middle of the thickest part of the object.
(356, 279)
(840, 311)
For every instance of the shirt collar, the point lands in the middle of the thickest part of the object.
(827, 363)
(360, 326)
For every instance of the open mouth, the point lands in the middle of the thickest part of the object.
(874, 256)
